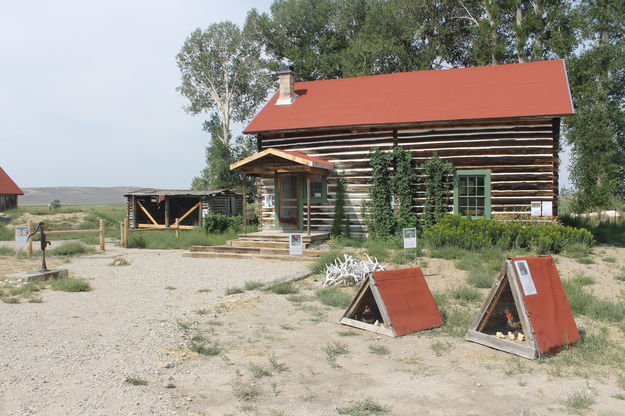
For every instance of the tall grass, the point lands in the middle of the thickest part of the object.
(585, 303)
(610, 232)
(167, 239)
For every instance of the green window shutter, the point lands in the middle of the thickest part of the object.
(472, 193)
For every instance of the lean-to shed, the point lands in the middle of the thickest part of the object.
(9, 192)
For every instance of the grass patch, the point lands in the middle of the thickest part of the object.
(300, 298)
(277, 366)
(577, 250)
(259, 371)
(621, 276)
(365, 407)
(319, 266)
(316, 312)
(482, 266)
(7, 251)
(120, 261)
(377, 249)
(448, 253)
(466, 294)
(253, 284)
(333, 350)
(203, 311)
(348, 333)
(167, 239)
(334, 296)
(609, 259)
(233, 290)
(136, 381)
(284, 288)
(71, 284)
(585, 303)
(246, 392)
(440, 347)
(579, 401)
(170, 288)
(379, 349)
(457, 319)
(480, 279)
(585, 260)
(582, 279)
(204, 290)
(72, 248)
(200, 346)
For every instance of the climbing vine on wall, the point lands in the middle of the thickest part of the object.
(379, 217)
(340, 225)
(438, 178)
(404, 187)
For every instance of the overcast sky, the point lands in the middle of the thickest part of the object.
(88, 91)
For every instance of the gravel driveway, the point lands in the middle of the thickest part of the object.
(71, 354)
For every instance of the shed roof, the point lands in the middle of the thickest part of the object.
(7, 186)
(529, 89)
(178, 192)
(283, 156)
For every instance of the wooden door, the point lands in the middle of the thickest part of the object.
(289, 201)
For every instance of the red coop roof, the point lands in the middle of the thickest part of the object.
(7, 186)
(529, 89)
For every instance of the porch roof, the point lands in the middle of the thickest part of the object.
(273, 160)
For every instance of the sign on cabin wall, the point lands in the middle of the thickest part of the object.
(547, 209)
(537, 208)
(21, 235)
(295, 244)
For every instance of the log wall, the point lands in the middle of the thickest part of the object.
(7, 202)
(522, 156)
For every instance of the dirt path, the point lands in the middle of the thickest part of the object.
(71, 354)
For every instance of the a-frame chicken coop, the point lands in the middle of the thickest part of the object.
(394, 303)
(526, 312)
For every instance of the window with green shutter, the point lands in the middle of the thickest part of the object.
(472, 193)
(318, 188)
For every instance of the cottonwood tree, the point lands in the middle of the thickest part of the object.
(223, 76)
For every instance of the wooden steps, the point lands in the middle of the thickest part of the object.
(259, 246)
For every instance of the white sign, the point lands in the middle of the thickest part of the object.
(537, 208)
(296, 244)
(547, 209)
(204, 212)
(525, 276)
(267, 201)
(410, 238)
(21, 235)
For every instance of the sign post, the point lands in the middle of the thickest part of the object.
(296, 244)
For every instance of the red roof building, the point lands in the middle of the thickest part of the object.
(498, 125)
(8, 192)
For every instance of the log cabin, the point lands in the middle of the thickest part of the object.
(498, 125)
(9, 192)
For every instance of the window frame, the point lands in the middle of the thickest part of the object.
(486, 173)
(324, 191)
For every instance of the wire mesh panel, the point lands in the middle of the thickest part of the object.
(502, 317)
(367, 310)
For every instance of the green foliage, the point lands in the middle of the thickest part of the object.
(136, 381)
(379, 349)
(379, 217)
(233, 290)
(253, 284)
(72, 249)
(6, 234)
(365, 407)
(334, 296)
(377, 249)
(466, 294)
(607, 232)
(7, 251)
(403, 186)
(285, 288)
(438, 178)
(327, 257)
(56, 204)
(70, 284)
(475, 234)
(340, 223)
(220, 223)
(167, 239)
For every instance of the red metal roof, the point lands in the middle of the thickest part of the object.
(549, 310)
(7, 186)
(408, 300)
(500, 91)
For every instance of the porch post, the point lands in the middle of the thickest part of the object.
(308, 202)
(244, 204)
(166, 212)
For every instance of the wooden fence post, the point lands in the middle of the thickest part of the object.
(177, 228)
(29, 249)
(102, 247)
(121, 233)
(125, 245)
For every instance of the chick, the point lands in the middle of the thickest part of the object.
(511, 336)
(500, 335)
(520, 337)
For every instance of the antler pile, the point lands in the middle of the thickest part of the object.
(350, 271)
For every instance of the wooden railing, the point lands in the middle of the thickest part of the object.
(100, 230)
(124, 229)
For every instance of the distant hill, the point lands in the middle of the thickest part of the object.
(76, 195)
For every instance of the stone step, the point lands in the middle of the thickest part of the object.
(263, 244)
(249, 256)
(249, 250)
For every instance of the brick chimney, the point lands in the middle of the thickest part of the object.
(286, 77)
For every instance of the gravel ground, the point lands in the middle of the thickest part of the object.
(71, 354)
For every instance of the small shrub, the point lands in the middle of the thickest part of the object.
(6, 234)
(319, 266)
(72, 248)
(135, 381)
(579, 401)
(136, 242)
(609, 259)
(333, 350)
(120, 261)
(365, 407)
(219, 223)
(466, 294)
(203, 348)
(253, 284)
(276, 365)
(70, 284)
(285, 288)
(585, 260)
(259, 371)
(480, 279)
(233, 290)
(334, 296)
(7, 251)
(376, 249)
(246, 392)
(582, 279)
(440, 347)
(577, 250)
(379, 349)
